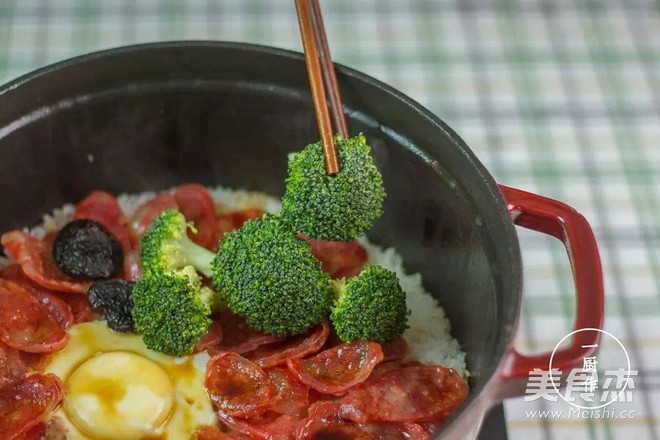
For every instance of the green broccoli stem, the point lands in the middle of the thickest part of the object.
(199, 257)
(338, 287)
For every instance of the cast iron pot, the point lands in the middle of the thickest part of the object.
(152, 116)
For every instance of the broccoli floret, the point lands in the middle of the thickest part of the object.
(166, 246)
(341, 207)
(171, 310)
(371, 306)
(269, 276)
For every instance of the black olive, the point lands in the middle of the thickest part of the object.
(112, 298)
(85, 249)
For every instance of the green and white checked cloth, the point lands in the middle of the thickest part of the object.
(561, 98)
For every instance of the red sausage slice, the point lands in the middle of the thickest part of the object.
(340, 259)
(212, 337)
(147, 213)
(132, 265)
(197, 206)
(238, 337)
(395, 349)
(36, 260)
(35, 361)
(27, 403)
(53, 429)
(396, 431)
(384, 367)
(82, 311)
(237, 386)
(234, 220)
(57, 308)
(25, 324)
(210, 433)
(315, 429)
(336, 370)
(294, 347)
(12, 368)
(37, 432)
(324, 410)
(291, 395)
(415, 393)
(270, 426)
(102, 207)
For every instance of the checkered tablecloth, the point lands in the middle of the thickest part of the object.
(561, 98)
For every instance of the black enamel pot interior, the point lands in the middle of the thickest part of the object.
(152, 116)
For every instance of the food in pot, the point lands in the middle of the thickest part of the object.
(270, 277)
(370, 306)
(85, 249)
(172, 310)
(112, 299)
(114, 387)
(268, 345)
(341, 207)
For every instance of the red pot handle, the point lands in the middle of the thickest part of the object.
(560, 220)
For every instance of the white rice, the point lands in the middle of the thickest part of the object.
(429, 335)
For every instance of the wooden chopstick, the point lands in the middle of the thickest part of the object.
(316, 83)
(328, 71)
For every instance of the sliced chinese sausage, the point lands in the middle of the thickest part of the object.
(25, 324)
(210, 433)
(35, 361)
(243, 215)
(37, 432)
(431, 427)
(36, 259)
(291, 395)
(55, 428)
(12, 368)
(415, 393)
(237, 386)
(336, 370)
(395, 349)
(237, 335)
(395, 431)
(82, 311)
(27, 403)
(197, 206)
(103, 208)
(317, 430)
(384, 367)
(293, 347)
(270, 426)
(238, 435)
(234, 220)
(325, 410)
(147, 213)
(340, 259)
(133, 270)
(211, 338)
(57, 308)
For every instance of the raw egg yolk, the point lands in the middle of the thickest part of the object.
(119, 395)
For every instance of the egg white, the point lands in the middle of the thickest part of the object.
(191, 405)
